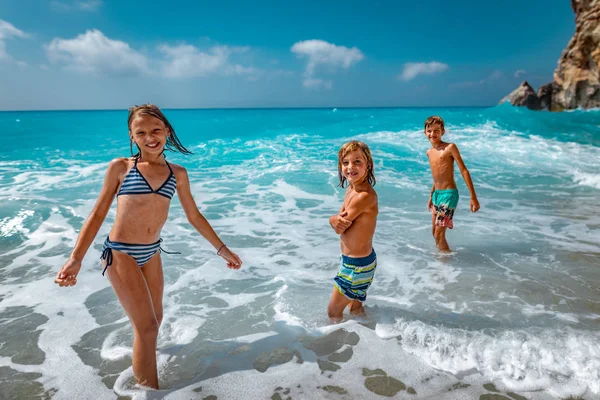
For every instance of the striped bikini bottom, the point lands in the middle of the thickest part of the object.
(141, 253)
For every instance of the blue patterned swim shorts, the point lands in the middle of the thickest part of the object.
(355, 276)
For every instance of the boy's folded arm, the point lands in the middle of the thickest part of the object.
(358, 205)
(335, 216)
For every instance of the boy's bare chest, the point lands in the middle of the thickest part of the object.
(440, 158)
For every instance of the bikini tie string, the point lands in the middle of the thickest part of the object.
(160, 249)
(108, 256)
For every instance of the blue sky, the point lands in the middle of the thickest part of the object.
(110, 54)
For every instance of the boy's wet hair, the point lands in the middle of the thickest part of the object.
(173, 143)
(434, 120)
(352, 146)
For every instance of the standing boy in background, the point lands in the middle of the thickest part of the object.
(444, 195)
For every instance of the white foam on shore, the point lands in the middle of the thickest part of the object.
(560, 361)
(10, 226)
(587, 179)
(68, 318)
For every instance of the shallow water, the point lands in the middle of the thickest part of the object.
(516, 306)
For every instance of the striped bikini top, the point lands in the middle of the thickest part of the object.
(135, 183)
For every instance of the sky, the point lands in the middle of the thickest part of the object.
(111, 54)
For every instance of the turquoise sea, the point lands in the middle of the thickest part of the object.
(515, 309)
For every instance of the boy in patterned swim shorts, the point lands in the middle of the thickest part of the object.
(355, 223)
(444, 195)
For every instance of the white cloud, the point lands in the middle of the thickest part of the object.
(520, 72)
(8, 31)
(93, 52)
(81, 5)
(322, 53)
(412, 70)
(184, 61)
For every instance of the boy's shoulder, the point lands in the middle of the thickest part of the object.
(449, 147)
(366, 195)
(452, 148)
(446, 146)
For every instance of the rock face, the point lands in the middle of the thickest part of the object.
(577, 76)
(544, 95)
(523, 96)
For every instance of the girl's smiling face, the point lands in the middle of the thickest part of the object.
(355, 167)
(149, 134)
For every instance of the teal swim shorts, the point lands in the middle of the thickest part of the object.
(444, 204)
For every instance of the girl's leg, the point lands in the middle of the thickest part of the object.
(336, 306)
(440, 238)
(153, 273)
(132, 291)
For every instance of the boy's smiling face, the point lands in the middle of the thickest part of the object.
(355, 167)
(434, 133)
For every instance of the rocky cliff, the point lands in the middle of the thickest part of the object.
(577, 77)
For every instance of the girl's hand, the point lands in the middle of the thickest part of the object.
(430, 204)
(233, 261)
(474, 204)
(339, 223)
(67, 276)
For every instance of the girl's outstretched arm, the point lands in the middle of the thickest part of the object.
(67, 276)
(198, 221)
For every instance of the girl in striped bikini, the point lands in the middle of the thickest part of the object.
(131, 251)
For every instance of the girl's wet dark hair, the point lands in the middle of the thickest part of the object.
(173, 143)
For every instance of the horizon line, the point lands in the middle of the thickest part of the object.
(247, 108)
